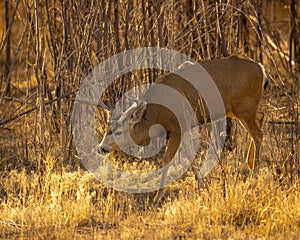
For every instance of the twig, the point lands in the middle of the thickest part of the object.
(33, 109)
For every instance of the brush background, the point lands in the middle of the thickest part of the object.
(48, 47)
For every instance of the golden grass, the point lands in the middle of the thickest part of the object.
(65, 205)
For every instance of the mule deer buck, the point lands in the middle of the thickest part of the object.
(240, 83)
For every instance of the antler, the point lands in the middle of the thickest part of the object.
(185, 64)
(135, 99)
(126, 114)
(93, 103)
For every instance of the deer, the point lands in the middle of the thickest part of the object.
(241, 83)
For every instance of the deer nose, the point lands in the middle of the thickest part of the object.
(102, 151)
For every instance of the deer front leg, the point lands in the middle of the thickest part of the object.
(160, 192)
(189, 151)
(172, 147)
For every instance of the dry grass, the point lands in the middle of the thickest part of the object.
(74, 204)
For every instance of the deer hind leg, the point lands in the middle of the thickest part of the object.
(253, 126)
(198, 177)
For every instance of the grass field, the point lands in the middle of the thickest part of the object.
(76, 206)
(64, 204)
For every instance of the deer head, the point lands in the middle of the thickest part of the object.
(127, 125)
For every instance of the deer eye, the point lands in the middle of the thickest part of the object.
(118, 133)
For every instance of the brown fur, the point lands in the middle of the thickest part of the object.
(240, 83)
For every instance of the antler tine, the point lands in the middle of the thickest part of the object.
(185, 64)
(127, 113)
(93, 103)
(135, 99)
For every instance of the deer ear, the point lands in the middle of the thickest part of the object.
(138, 114)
